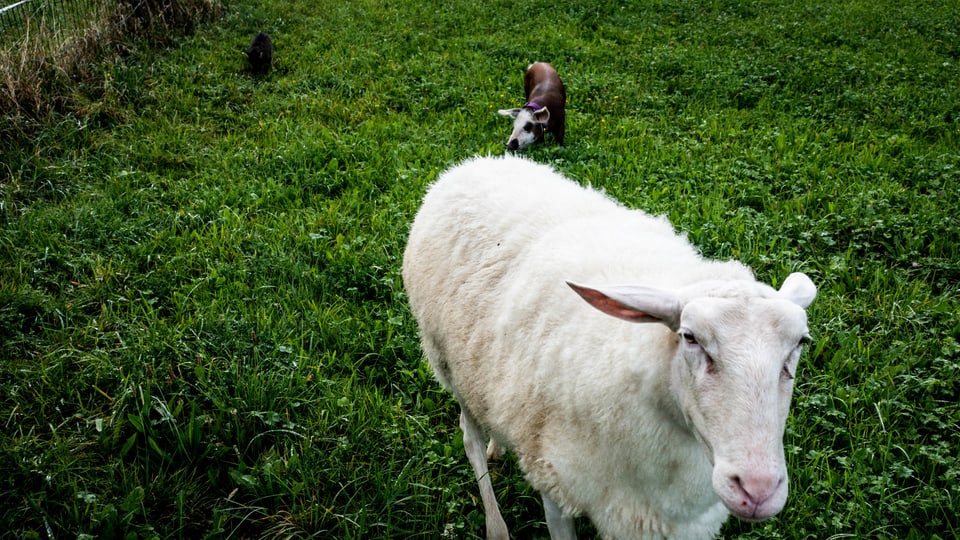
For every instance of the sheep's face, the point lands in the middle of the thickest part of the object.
(737, 348)
(739, 362)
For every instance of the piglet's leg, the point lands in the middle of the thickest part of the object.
(476, 452)
(560, 526)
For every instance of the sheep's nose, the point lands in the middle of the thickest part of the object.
(754, 491)
(513, 144)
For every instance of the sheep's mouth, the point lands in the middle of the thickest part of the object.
(755, 514)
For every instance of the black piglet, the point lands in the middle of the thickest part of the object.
(260, 53)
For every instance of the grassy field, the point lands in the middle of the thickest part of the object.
(203, 331)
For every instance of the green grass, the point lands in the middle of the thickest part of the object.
(203, 331)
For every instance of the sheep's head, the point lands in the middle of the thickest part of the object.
(737, 347)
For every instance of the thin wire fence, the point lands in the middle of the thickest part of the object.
(49, 23)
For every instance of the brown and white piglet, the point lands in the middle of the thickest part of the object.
(544, 111)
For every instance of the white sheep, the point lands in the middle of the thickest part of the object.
(651, 430)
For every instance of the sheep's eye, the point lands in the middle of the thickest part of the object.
(709, 364)
(528, 127)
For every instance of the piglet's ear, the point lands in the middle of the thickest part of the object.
(541, 115)
(799, 289)
(634, 303)
(512, 113)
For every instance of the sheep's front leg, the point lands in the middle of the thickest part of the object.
(560, 526)
(474, 445)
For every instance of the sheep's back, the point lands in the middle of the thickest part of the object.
(488, 256)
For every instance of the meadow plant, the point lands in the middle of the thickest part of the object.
(203, 331)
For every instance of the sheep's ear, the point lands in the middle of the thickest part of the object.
(512, 113)
(634, 303)
(799, 289)
(541, 115)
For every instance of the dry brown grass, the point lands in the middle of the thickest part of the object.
(40, 71)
